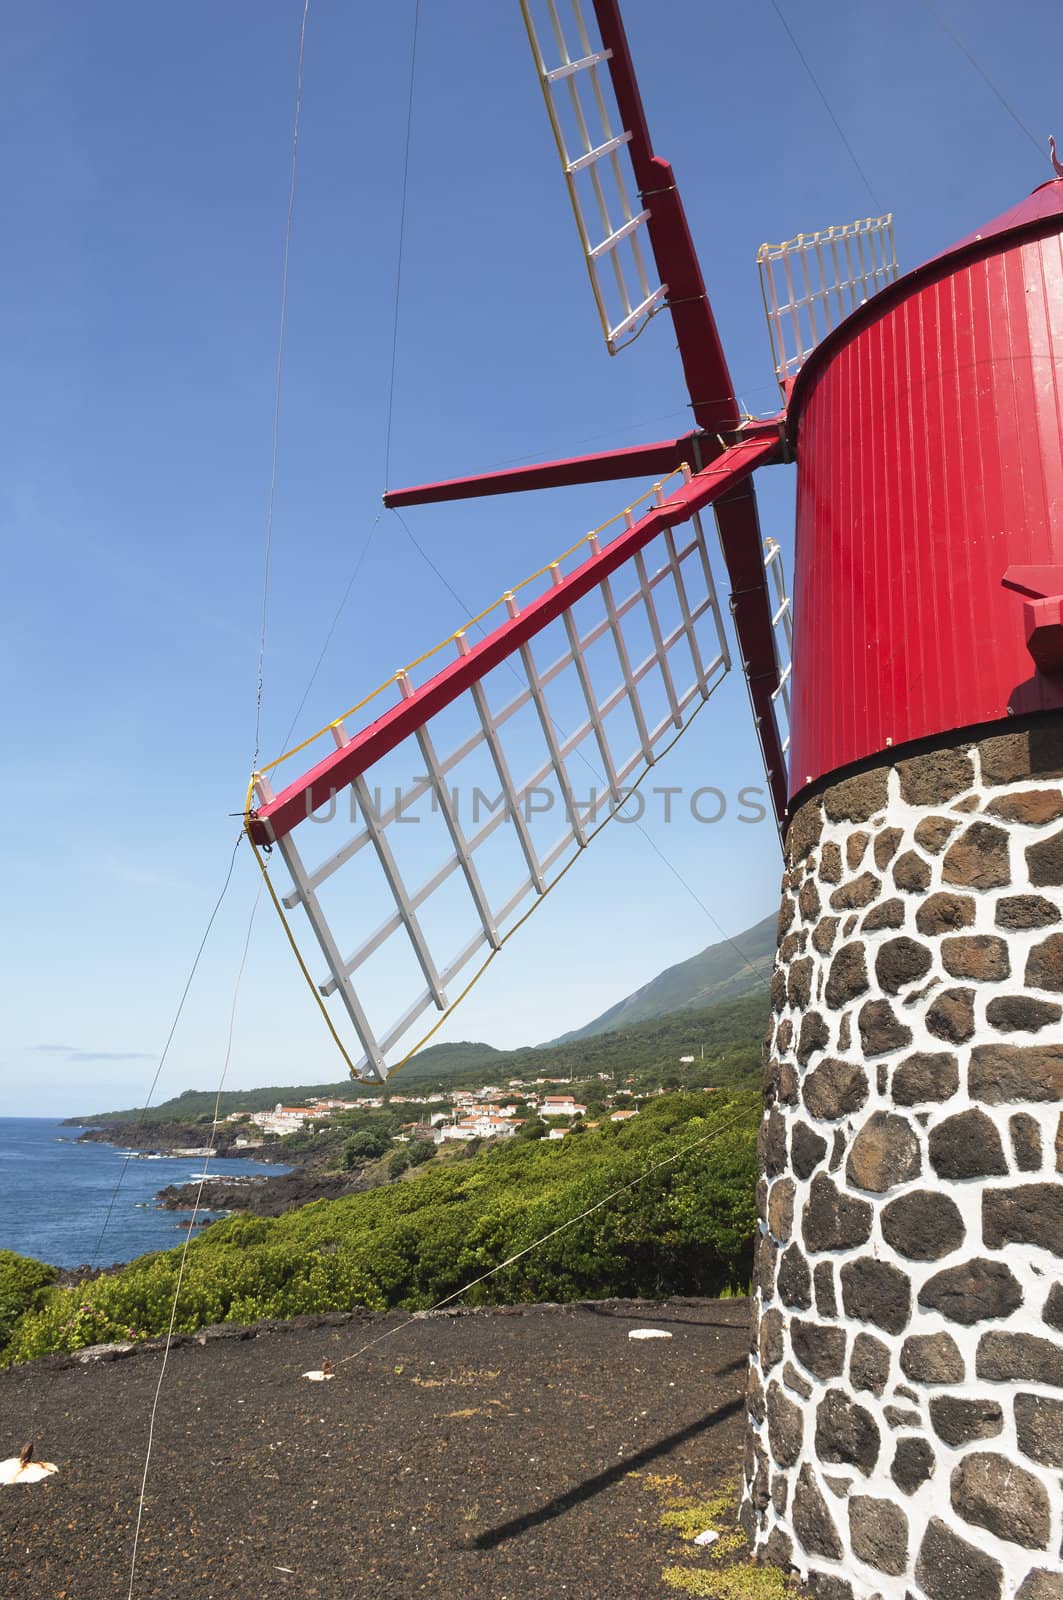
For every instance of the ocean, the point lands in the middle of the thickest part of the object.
(55, 1193)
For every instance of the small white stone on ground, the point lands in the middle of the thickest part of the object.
(708, 1537)
(648, 1333)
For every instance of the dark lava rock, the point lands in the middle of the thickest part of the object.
(799, 983)
(1041, 1584)
(824, 933)
(1053, 1312)
(884, 1153)
(814, 1035)
(948, 1568)
(770, 1338)
(812, 1521)
(857, 799)
(913, 1464)
(1025, 1142)
(890, 914)
(795, 1280)
(1044, 964)
(765, 1258)
(846, 1433)
(926, 1076)
(777, 1549)
(793, 1380)
(876, 1292)
(847, 978)
(944, 913)
(771, 1142)
(823, 1283)
(830, 864)
(832, 1219)
(932, 1358)
(1032, 1213)
(808, 901)
(858, 892)
(967, 1145)
(900, 962)
(781, 1209)
(1033, 807)
(804, 832)
(1005, 1357)
(755, 1395)
(981, 956)
(979, 858)
(1021, 1013)
(951, 1017)
(818, 1347)
(924, 1225)
(825, 1586)
(869, 1364)
(961, 1422)
(807, 1150)
(1000, 1073)
(878, 1531)
(1026, 911)
(786, 1427)
(934, 833)
(1045, 861)
(1033, 751)
(834, 1089)
(898, 1417)
(880, 1032)
(972, 1292)
(931, 779)
(911, 873)
(1039, 1426)
(885, 846)
(991, 1492)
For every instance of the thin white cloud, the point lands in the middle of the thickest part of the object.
(74, 1052)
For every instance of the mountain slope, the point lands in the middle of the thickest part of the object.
(723, 971)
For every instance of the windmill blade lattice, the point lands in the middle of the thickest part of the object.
(812, 283)
(419, 842)
(593, 145)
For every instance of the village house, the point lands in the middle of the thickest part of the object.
(560, 1105)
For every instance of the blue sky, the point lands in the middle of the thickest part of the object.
(146, 154)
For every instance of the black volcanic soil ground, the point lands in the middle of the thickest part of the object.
(493, 1455)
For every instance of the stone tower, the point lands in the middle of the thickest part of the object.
(906, 1382)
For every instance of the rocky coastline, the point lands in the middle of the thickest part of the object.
(173, 1138)
(262, 1196)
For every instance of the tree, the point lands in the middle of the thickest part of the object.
(420, 1151)
(398, 1161)
(364, 1146)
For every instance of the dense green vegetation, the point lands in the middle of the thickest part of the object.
(685, 1227)
(643, 1057)
(22, 1288)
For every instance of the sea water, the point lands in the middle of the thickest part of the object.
(74, 1204)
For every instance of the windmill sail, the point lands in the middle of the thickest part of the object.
(417, 843)
(594, 149)
(812, 283)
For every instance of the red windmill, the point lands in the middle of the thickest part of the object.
(893, 559)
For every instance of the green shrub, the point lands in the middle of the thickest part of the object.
(23, 1287)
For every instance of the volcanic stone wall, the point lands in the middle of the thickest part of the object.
(906, 1383)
